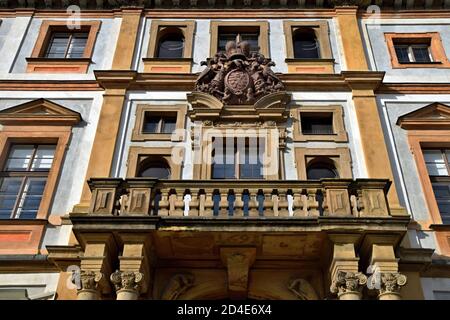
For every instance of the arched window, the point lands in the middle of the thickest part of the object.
(320, 168)
(170, 44)
(306, 45)
(154, 168)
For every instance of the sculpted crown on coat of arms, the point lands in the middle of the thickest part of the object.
(238, 76)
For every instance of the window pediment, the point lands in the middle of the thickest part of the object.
(435, 116)
(40, 111)
(270, 107)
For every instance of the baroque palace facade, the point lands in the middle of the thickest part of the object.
(265, 149)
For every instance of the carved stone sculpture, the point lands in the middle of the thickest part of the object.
(238, 76)
(177, 285)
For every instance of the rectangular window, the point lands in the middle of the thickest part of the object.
(226, 34)
(238, 158)
(67, 45)
(413, 53)
(155, 123)
(23, 180)
(437, 162)
(317, 123)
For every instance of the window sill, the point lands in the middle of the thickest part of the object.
(440, 227)
(58, 65)
(335, 137)
(310, 65)
(434, 64)
(161, 65)
(156, 137)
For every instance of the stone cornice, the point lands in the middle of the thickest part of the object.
(210, 4)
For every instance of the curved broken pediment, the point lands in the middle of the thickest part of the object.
(270, 107)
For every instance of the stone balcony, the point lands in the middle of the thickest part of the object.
(360, 198)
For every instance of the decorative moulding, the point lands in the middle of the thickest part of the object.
(39, 112)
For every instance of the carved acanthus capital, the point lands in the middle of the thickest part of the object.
(391, 282)
(127, 280)
(87, 280)
(345, 282)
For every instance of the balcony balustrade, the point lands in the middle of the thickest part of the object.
(239, 198)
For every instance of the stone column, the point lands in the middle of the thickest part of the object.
(127, 284)
(390, 285)
(89, 285)
(348, 285)
(133, 278)
(346, 281)
(384, 278)
(92, 281)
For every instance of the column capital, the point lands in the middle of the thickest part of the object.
(391, 284)
(88, 284)
(348, 283)
(128, 284)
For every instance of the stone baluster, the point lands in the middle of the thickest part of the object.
(194, 203)
(253, 203)
(312, 203)
(238, 203)
(298, 202)
(209, 203)
(223, 204)
(163, 209)
(282, 203)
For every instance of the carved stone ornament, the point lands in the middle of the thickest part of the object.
(392, 282)
(302, 289)
(344, 282)
(127, 280)
(238, 76)
(177, 285)
(88, 280)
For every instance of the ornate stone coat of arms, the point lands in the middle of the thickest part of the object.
(238, 76)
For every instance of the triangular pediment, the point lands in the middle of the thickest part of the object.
(431, 117)
(40, 111)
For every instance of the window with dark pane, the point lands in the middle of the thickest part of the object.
(413, 52)
(23, 179)
(171, 45)
(69, 45)
(306, 45)
(438, 166)
(402, 53)
(225, 35)
(321, 169)
(237, 158)
(157, 123)
(153, 167)
(317, 123)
